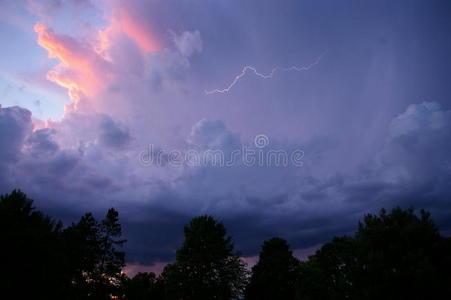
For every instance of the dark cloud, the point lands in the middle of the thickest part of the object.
(412, 170)
(15, 125)
(112, 135)
(40, 142)
(307, 208)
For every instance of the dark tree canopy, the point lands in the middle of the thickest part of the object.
(41, 260)
(94, 255)
(143, 286)
(274, 276)
(32, 263)
(399, 255)
(206, 267)
(396, 255)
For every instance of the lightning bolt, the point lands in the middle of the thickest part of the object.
(263, 76)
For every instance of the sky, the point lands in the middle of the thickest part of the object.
(322, 111)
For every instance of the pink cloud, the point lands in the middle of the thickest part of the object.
(81, 70)
(142, 36)
(86, 65)
(131, 269)
(124, 21)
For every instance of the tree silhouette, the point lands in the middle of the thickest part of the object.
(329, 273)
(92, 248)
(206, 267)
(30, 252)
(396, 255)
(141, 287)
(274, 276)
(392, 256)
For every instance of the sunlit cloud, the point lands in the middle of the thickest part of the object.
(81, 70)
(86, 66)
(143, 38)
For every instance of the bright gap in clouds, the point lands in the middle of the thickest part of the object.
(24, 62)
(43, 103)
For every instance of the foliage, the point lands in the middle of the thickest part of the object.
(274, 276)
(206, 265)
(396, 255)
(143, 286)
(399, 255)
(79, 262)
(92, 248)
(30, 250)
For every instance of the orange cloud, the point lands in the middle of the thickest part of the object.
(122, 22)
(137, 33)
(86, 68)
(81, 70)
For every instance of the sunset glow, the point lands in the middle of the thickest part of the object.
(81, 70)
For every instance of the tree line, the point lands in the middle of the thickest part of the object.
(392, 255)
